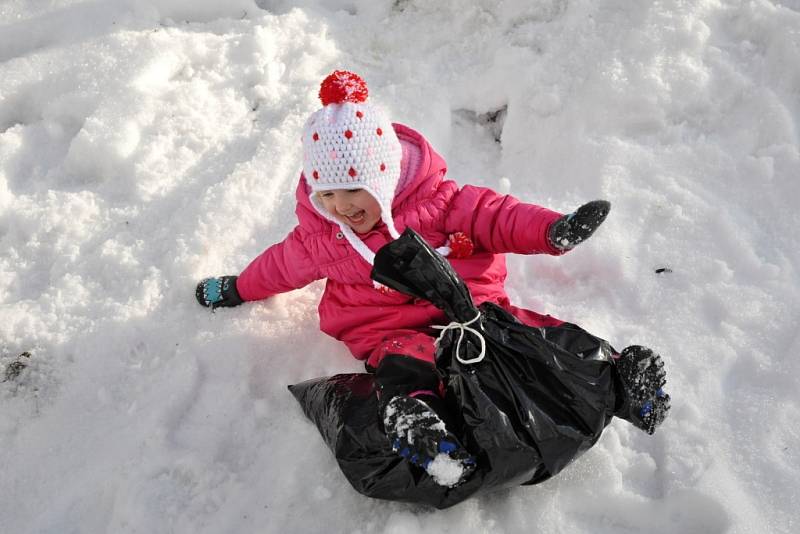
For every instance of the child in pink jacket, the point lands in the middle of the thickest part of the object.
(364, 180)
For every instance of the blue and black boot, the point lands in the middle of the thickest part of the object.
(642, 376)
(416, 419)
(420, 435)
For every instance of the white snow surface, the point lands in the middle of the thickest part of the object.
(146, 144)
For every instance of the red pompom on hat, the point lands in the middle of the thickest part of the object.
(343, 86)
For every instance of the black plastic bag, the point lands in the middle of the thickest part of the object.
(345, 410)
(530, 402)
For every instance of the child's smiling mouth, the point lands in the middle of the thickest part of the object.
(357, 218)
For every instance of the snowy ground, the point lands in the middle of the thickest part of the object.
(146, 144)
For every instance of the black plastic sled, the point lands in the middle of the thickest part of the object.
(527, 401)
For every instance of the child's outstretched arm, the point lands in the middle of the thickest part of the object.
(282, 267)
(501, 223)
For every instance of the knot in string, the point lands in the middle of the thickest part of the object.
(464, 327)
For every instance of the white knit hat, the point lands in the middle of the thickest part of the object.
(349, 144)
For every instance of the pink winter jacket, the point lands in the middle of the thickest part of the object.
(351, 309)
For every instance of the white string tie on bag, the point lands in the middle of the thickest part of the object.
(463, 327)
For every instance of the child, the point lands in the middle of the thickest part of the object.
(364, 179)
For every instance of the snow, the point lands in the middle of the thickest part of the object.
(145, 145)
(446, 471)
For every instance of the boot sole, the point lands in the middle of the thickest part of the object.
(643, 375)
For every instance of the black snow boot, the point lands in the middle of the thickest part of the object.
(642, 377)
(416, 420)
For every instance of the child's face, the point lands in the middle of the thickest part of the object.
(354, 207)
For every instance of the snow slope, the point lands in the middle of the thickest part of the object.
(146, 144)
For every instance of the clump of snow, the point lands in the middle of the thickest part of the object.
(145, 145)
(445, 471)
